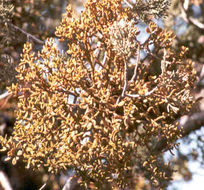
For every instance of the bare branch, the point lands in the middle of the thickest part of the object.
(153, 55)
(4, 95)
(188, 124)
(143, 95)
(43, 186)
(104, 58)
(70, 183)
(163, 62)
(28, 35)
(187, 18)
(192, 122)
(137, 61)
(4, 182)
(128, 4)
(186, 4)
(125, 82)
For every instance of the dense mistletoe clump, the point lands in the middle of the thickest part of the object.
(99, 107)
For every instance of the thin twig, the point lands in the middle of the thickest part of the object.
(125, 82)
(4, 102)
(150, 53)
(4, 181)
(71, 183)
(187, 124)
(128, 4)
(163, 62)
(143, 95)
(104, 58)
(4, 95)
(136, 65)
(187, 18)
(186, 4)
(97, 53)
(27, 34)
(43, 186)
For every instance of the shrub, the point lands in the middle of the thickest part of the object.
(99, 107)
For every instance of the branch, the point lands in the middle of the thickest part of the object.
(4, 95)
(192, 123)
(125, 82)
(28, 35)
(163, 62)
(187, 18)
(104, 58)
(128, 4)
(188, 124)
(4, 182)
(43, 186)
(137, 61)
(71, 183)
(143, 95)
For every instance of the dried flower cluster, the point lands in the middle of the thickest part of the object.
(81, 110)
(147, 9)
(122, 37)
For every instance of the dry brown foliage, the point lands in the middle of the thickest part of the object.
(81, 109)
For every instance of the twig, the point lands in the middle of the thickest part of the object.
(4, 102)
(26, 33)
(43, 186)
(4, 182)
(186, 4)
(163, 62)
(128, 4)
(71, 183)
(104, 58)
(150, 53)
(137, 61)
(125, 82)
(187, 18)
(4, 95)
(187, 124)
(143, 95)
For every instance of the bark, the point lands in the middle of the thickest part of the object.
(188, 123)
(4, 182)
